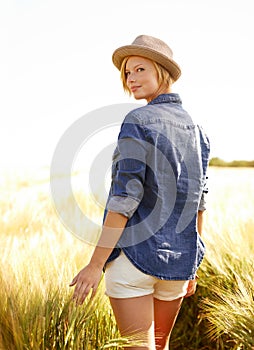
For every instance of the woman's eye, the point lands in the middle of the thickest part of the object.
(140, 69)
(127, 74)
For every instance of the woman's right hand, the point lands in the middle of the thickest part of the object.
(86, 280)
(89, 277)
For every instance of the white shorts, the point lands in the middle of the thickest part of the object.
(124, 280)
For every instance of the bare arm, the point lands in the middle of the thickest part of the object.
(193, 283)
(200, 222)
(89, 277)
(111, 232)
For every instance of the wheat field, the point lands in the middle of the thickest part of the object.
(39, 258)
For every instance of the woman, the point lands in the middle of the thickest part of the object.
(150, 245)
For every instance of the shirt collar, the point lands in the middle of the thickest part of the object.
(166, 98)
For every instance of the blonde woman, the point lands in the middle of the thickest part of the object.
(150, 246)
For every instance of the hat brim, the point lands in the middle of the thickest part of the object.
(135, 50)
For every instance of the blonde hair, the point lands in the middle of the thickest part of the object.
(164, 77)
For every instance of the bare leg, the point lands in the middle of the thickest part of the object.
(135, 316)
(165, 315)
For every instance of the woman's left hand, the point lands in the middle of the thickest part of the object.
(191, 288)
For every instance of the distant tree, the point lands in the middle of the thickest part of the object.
(235, 163)
(217, 162)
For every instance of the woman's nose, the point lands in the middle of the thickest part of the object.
(131, 77)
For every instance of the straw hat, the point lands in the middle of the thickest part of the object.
(152, 48)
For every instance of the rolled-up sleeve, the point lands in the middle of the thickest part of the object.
(128, 169)
(202, 203)
(205, 151)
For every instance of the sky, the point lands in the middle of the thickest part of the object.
(56, 66)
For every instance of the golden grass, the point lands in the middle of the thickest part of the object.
(39, 258)
(228, 270)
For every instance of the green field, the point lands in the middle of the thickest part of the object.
(39, 258)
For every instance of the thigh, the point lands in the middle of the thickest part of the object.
(165, 315)
(135, 316)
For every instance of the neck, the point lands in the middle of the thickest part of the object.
(161, 90)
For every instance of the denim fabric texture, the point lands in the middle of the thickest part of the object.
(159, 181)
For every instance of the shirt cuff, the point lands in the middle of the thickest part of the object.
(202, 203)
(122, 205)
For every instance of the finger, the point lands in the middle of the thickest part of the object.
(81, 293)
(191, 289)
(74, 281)
(94, 292)
(77, 291)
(189, 294)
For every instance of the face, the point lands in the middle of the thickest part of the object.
(142, 79)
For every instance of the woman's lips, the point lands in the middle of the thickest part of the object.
(134, 88)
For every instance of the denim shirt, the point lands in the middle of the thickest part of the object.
(159, 172)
